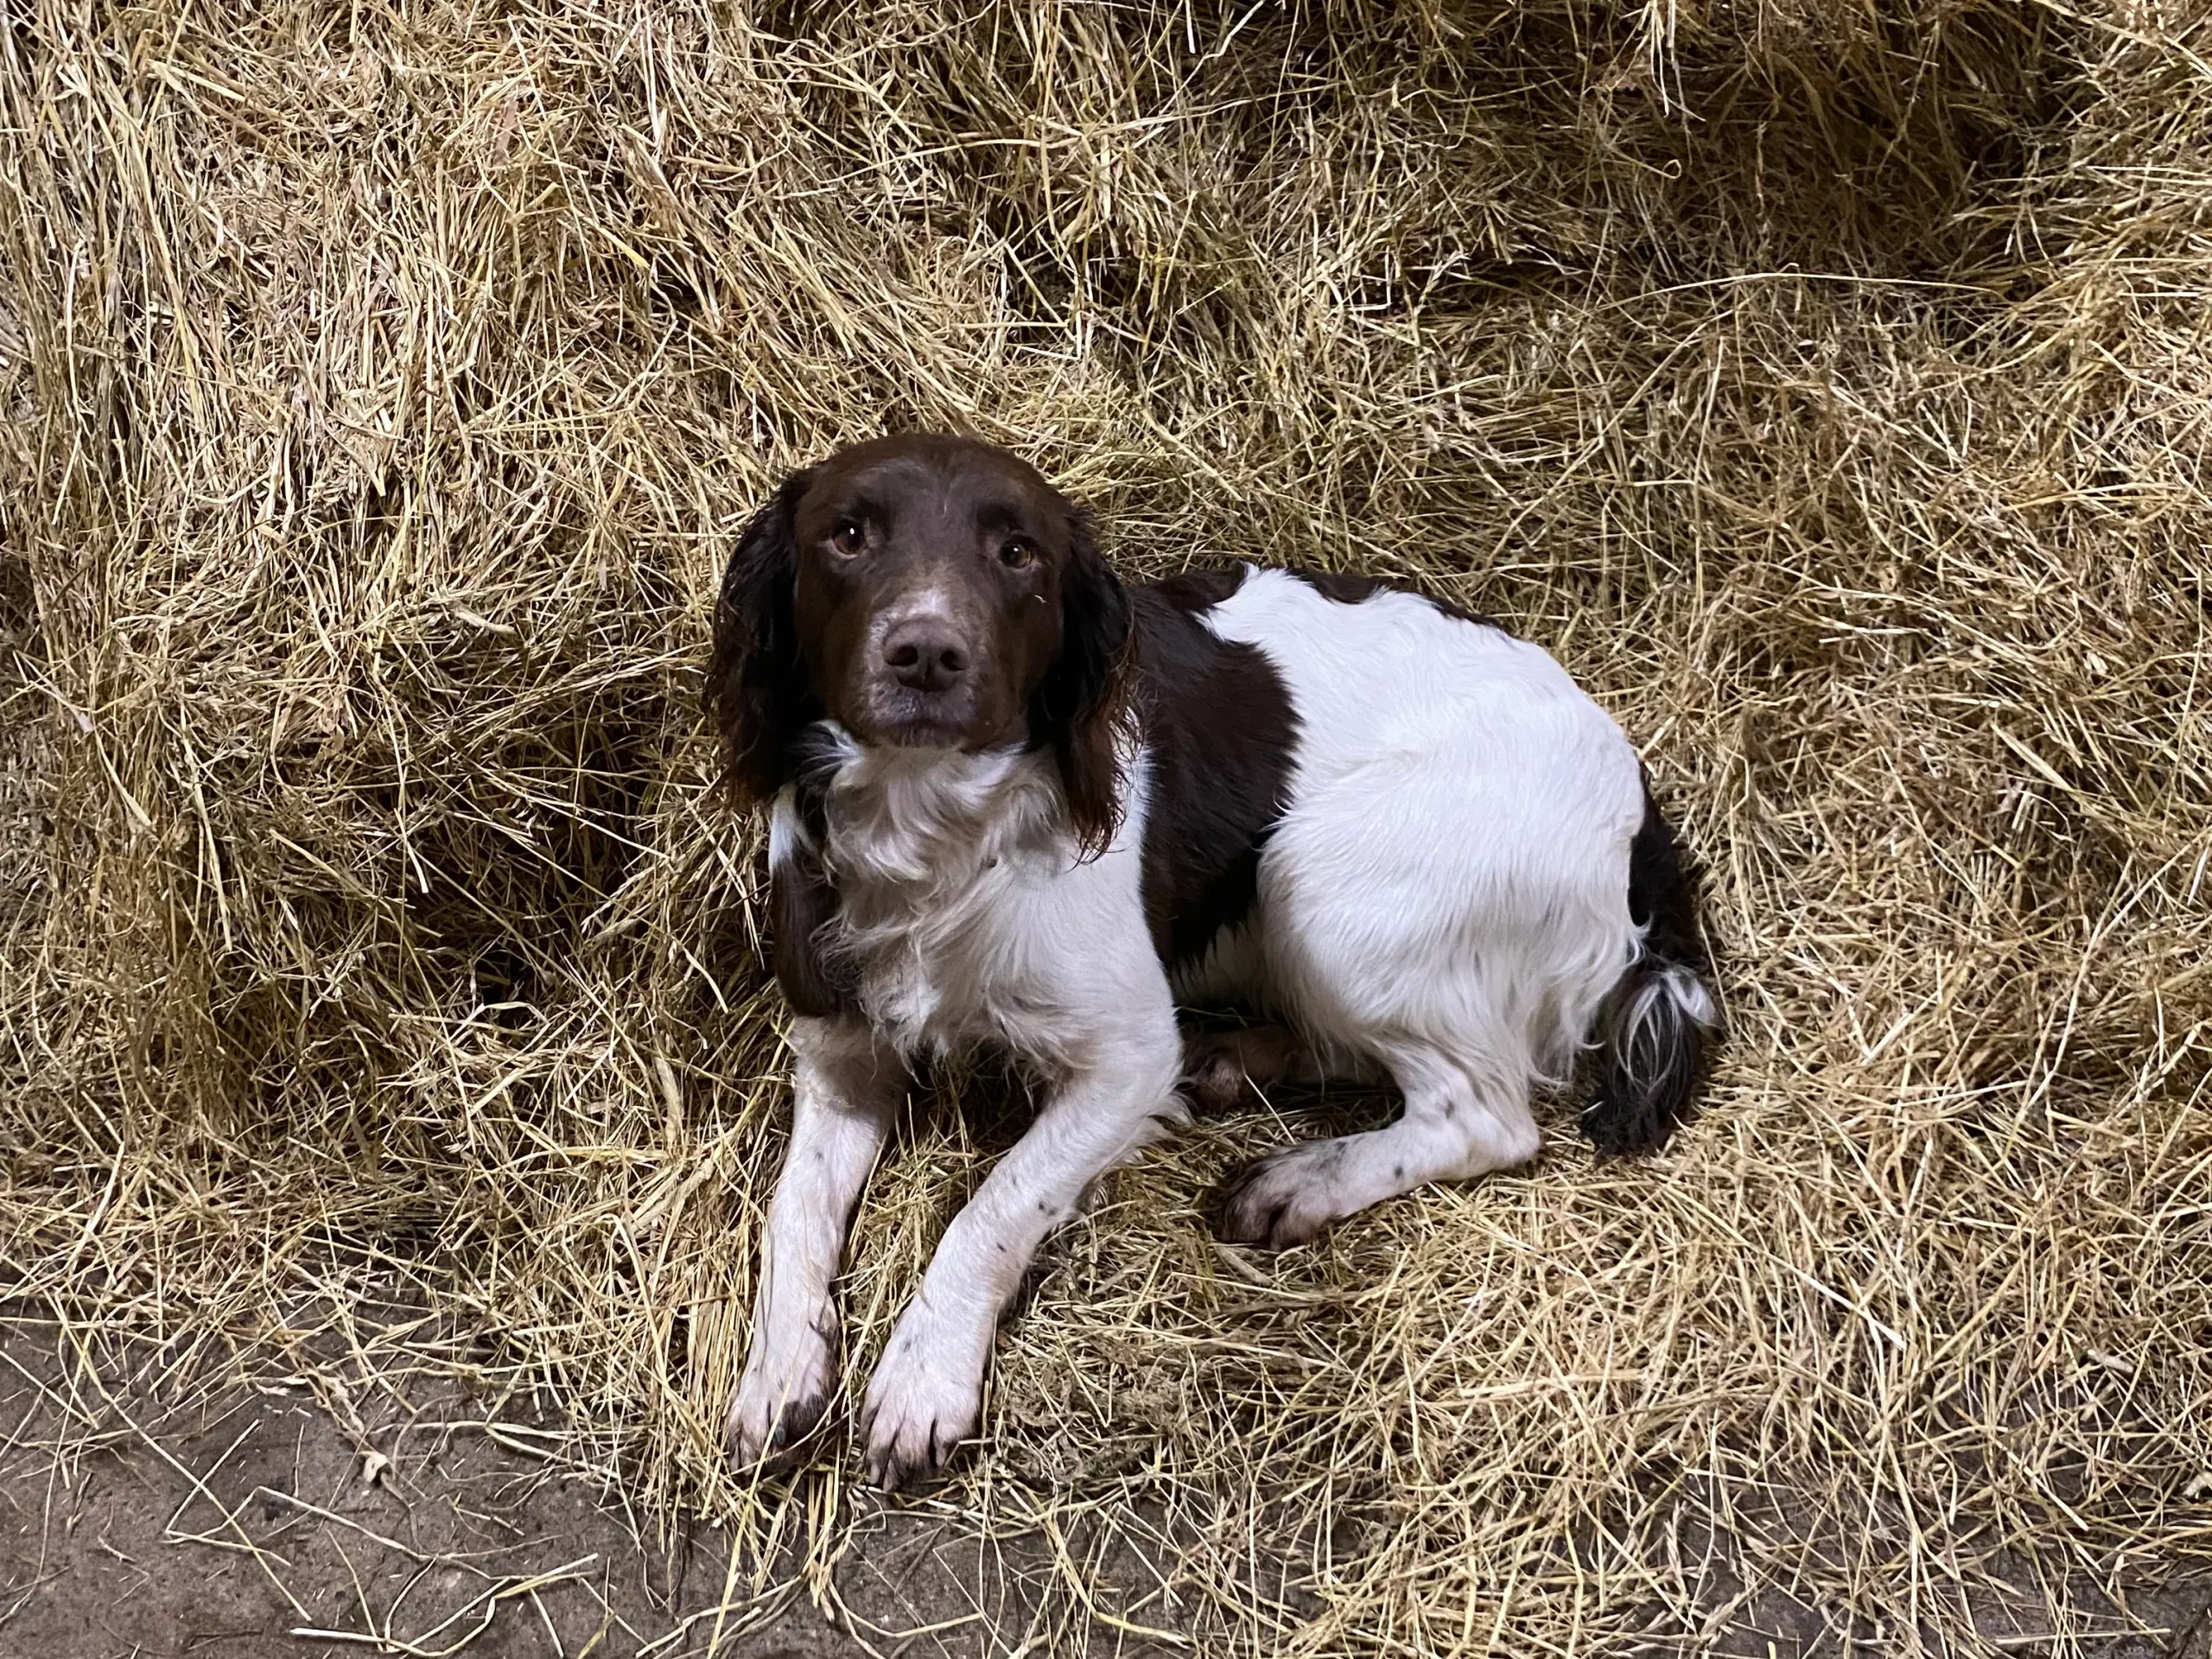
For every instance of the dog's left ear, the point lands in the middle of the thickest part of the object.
(757, 693)
(1080, 706)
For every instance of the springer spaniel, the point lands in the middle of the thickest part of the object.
(1014, 803)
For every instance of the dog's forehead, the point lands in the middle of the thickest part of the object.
(951, 477)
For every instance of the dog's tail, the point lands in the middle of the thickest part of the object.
(1660, 1020)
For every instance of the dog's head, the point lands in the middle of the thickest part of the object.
(922, 591)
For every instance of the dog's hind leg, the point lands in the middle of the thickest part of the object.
(1464, 1115)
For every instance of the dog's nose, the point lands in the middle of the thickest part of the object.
(924, 653)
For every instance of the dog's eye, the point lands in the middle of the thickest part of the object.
(848, 538)
(1018, 555)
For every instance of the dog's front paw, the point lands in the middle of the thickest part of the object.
(923, 1400)
(1282, 1200)
(789, 1376)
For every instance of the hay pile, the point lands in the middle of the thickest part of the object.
(1827, 384)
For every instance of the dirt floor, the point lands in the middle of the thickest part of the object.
(250, 1508)
(278, 1510)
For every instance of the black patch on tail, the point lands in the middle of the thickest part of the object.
(1651, 1051)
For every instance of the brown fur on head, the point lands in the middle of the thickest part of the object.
(922, 591)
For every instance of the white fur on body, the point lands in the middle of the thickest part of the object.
(1445, 897)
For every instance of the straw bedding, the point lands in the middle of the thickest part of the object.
(1827, 384)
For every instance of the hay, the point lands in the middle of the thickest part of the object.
(1827, 384)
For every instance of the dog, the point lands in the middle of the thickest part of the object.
(1015, 804)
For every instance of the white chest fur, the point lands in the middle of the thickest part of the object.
(945, 867)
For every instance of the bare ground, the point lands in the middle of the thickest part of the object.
(268, 1505)
(274, 1509)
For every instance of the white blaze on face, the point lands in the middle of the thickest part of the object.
(930, 604)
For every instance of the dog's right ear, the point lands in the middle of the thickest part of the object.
(757, 693)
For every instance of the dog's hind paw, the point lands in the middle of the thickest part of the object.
(1284, 1198)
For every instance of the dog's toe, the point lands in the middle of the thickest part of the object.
(775, 1442)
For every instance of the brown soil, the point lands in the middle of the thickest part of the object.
(266, 1511)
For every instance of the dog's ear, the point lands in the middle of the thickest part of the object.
(1080, 707)
(818, 980)
(757, 693)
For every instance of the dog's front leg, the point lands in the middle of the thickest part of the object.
(847, 1085)
(927, 1388)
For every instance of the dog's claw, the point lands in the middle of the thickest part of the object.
(893, 1467)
